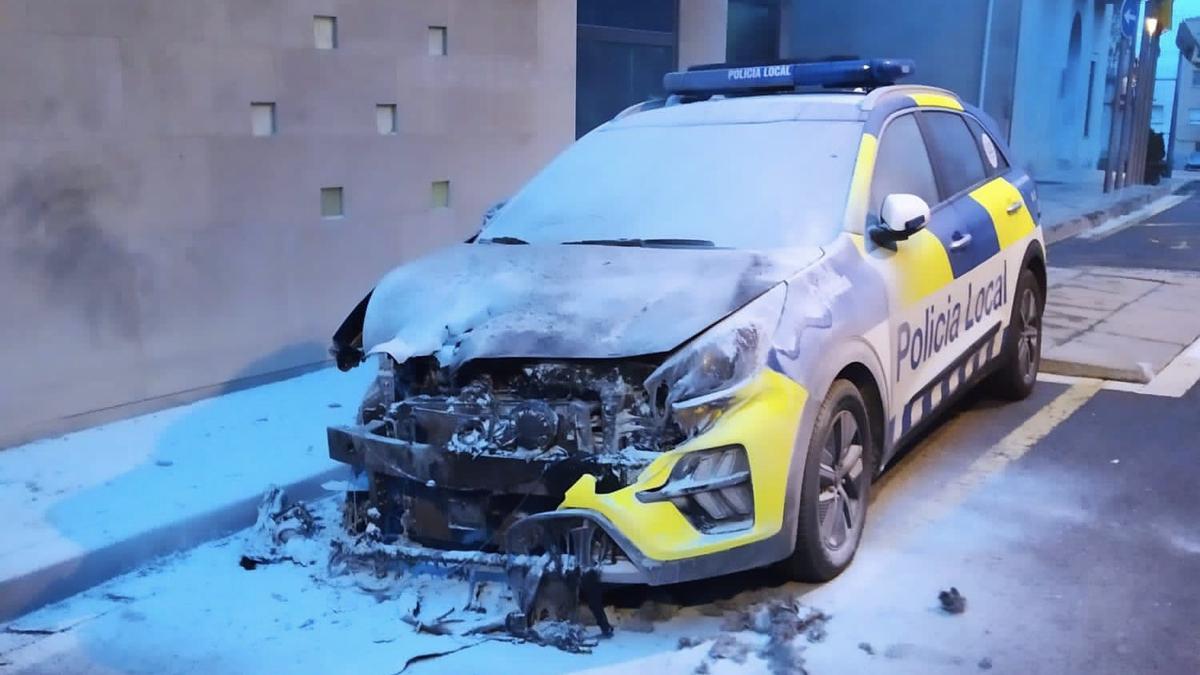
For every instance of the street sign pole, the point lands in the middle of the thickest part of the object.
(1148, 65)
(1127, 123)
(1120, 103)
(1123, 98)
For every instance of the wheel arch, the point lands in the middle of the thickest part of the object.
(1035, 261)
(863, 379)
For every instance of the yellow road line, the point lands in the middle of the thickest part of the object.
(1012, 447)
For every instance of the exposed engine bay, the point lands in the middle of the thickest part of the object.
(461, 460)
(477, 449)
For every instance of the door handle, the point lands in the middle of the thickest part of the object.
(1014, 207)
(959, 241)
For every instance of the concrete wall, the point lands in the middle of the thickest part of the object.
(945, 38)
(1051, 94)
(1011, 57)
(151, 249)
(703, 28)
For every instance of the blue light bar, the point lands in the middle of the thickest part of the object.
(784, 76)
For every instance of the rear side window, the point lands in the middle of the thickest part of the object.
(960, 164)
(902, 164)
(993, 159)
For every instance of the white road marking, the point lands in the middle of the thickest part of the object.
(1173, 381)
(1135, 218)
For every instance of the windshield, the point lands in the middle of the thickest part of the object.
(749, 185)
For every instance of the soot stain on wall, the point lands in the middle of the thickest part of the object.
(64, 247)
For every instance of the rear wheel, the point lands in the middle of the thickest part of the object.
(1022, 353)
(836, 486)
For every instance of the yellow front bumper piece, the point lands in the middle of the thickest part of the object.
(764, 418)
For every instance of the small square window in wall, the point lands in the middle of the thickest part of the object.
(332, 203)
(385, 118)
(1194, 116)
(437, 40)
(262, 119)
(440, 192)
(325, 32)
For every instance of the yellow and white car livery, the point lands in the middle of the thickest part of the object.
(689, 344)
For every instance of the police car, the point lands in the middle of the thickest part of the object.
(688, 345)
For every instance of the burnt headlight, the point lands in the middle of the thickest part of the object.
(700, 379)
(711, 488)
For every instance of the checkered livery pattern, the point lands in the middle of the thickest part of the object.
(950, 380)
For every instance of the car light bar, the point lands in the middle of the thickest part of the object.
(786, 76)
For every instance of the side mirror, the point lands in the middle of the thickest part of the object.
(901, 216)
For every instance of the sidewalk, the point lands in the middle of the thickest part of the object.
(90, 505)
(1118, 324)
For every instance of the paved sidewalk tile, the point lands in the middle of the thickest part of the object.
(1084, 316)
(1153, 323)
(1070, 295)
(1119, 324)
(1110, 357)
(1173, 297)
(1121, 286)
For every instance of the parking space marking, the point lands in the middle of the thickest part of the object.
(1012, 447)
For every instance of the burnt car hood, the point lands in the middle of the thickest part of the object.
(473, 301)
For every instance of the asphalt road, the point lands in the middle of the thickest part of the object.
(1169, 241)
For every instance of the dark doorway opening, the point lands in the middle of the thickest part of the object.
(623, 49)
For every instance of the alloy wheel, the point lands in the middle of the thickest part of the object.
(843, 474)
(1029, 336)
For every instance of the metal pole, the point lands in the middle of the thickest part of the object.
(1112, 166)
(1135, 138)
(987, 48)
(1149, 113)
(1174, 118)
(1137, 157)
(1145, 107)
(1145, 97)
(1127, 127)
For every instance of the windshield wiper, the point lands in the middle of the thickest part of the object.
(504, 240)
(647, 243)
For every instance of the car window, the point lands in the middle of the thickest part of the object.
(960, 164)
(993, 158)
(752, 186)
(902, 164)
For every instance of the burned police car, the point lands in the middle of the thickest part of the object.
(689, 344)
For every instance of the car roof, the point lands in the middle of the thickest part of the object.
(763, 108)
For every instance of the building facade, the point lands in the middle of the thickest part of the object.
(1185, 134)
(1037, 66)
(193, 193)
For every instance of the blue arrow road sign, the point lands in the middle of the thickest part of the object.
(1129, 18)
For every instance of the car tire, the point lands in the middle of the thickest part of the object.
(835, 488)
(1022, 353)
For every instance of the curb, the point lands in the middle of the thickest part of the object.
(1135, 373)
(58, 581)
(1083, 222)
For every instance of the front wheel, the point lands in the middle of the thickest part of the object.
(1021, 356)
(836, 486)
